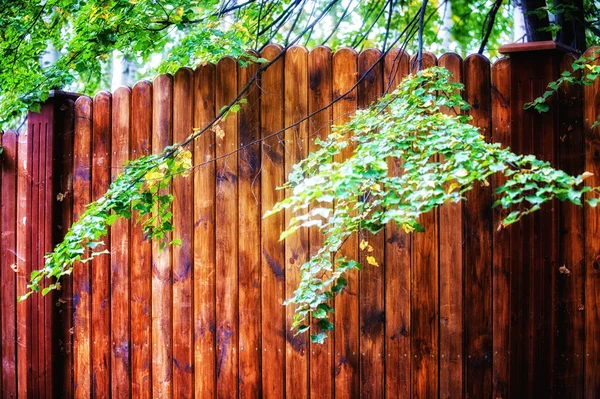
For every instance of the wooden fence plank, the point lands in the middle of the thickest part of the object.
(63, 218)
(24, 343)
(100, 265)
(4, 322)
(162, 290)
(345, 64)
(591, 98)
(273, 251)
(425, 298)
(501, 237)
(46, 185)
(119, 257)
(8, 264)
(296, 245)
(533, 240)
(478, 239)
(249, 236)
(82, 156)
(141, 270)
(319, 126)
(227, 237)
(39, 127)
(520, 234)
(451, 277)
(545, 241)
(398, 269)
(59, 205)
(371, 299)
(570, 287)
(204, 235)
(183, 256)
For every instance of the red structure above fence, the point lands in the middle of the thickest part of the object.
(463, 309)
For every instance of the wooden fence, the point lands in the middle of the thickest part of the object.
(463, 309)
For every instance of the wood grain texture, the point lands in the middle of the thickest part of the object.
(570, 340)
(8, 263)
(119, 256)
(372, 298)
(501, 271)
(424, 296)
(398, 270)
(63, 217)
(183, 256)
(319, 126)
(545, 241)
(249, 184)
(162, 289)
(227, 240)
(346, 340)
(296, 245)
(82, 161)
(519, 250)
(451, 276)
(47, 198)
(591, 100)
(534, 239)
(140, 253)
(273, 251)
(478, 237)
(23, 240)
(204, 235)
(101, 348)
(40, 124)
(33, 149)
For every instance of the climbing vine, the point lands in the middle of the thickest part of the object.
(584, 73)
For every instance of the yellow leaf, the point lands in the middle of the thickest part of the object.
(153, 177)
(453, 187)
(371, 261)
(376, 187)
(364, 244)
(219, 132)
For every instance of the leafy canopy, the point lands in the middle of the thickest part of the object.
(85, 33)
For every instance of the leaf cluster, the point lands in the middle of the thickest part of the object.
(141, 191)
(585, 71)
(441, 156)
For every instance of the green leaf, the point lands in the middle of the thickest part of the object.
(319, 314)
(318, 338)
(325, 325)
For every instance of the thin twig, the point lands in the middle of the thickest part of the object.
(421, 26)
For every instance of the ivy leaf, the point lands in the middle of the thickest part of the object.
(318, 338)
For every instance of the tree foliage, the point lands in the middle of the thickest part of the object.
(187, 32)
